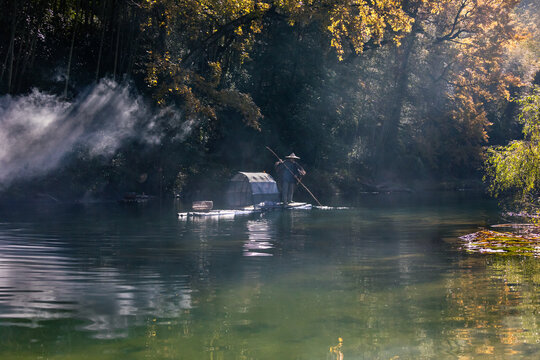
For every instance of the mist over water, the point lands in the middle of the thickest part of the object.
(38, 130)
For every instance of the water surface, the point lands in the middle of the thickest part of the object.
(106, 281)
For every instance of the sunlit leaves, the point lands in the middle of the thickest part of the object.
(465, 44)
(515, 167)
(488, 241)
(361, 21)
(207, 39)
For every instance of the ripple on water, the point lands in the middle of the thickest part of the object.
(285, 285)
(260, 238)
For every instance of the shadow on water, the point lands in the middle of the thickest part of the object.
(386, 275)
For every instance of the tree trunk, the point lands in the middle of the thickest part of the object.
(103, 26)
(27, 58)
(70, 57)
(11, 60)
(388, 146)
(133, 42)
(11, 51)
(116, 51)
(5, 64)
(27, 47)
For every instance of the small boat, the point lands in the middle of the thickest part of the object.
(202, 205)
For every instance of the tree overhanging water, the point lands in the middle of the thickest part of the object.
(372, 96)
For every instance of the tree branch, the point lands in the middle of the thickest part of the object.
(452, 34)
(225, 29)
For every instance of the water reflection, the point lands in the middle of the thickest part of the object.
(385, 278)
(260, 237)
(503, 321)
(41, 279)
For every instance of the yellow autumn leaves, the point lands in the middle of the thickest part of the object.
(361, 21)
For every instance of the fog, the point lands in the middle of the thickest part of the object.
(38, 130)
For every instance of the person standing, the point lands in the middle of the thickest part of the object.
(289, 173)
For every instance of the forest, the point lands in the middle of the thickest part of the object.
(171, 97)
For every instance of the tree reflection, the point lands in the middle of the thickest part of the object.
(501, 321)
(387, 284)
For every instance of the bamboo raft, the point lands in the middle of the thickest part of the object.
(232, 213)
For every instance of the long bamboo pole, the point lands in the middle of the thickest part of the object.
(296, 177)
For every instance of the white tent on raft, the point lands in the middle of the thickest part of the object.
(251, 188)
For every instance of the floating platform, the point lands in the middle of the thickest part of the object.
(280, 206)
(297, 206)
(232, 213)
(218, 213)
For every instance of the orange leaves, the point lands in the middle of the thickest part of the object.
(466, 44)
(477, 34)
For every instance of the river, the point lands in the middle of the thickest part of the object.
(387, 276)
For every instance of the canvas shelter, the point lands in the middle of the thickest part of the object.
(249, 188)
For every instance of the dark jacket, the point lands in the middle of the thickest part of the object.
(286, 169)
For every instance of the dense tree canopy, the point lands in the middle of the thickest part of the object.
(366, 92)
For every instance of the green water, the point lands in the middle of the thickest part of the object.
(106, 281)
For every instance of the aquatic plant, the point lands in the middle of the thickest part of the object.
(504, 243)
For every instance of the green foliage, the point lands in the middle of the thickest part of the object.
(363, 91)
(514, 168)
